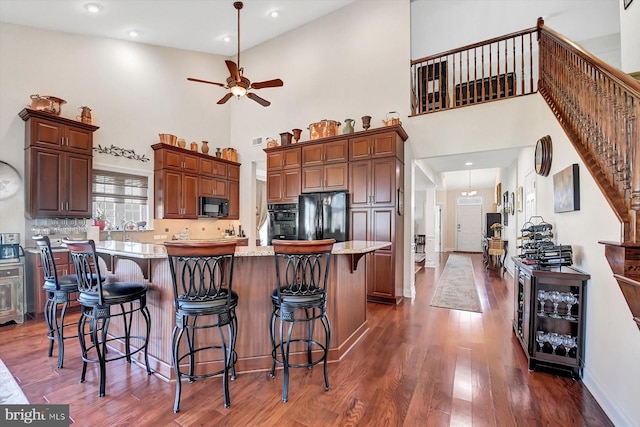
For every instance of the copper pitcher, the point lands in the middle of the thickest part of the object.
(85, 115)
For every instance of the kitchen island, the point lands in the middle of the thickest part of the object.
(253, 280)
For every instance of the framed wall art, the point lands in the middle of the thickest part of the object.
(566, 190)
(519, 195)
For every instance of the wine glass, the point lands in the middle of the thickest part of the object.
(555, 340)
(568, 342)
(555, 298)
(570, 299)
(542, 296)
(541, 338)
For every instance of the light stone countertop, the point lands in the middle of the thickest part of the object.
(157, 250)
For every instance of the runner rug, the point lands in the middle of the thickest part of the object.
(10, 391)
(456, 288)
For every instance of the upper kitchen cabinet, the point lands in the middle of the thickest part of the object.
(284, 158)
(380, 144)
(327, 152)
(58, 166)
(283, 174)
(182, 176)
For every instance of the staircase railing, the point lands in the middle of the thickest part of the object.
(598, 107)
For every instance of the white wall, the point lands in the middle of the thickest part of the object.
(135, 91)
(630, 43)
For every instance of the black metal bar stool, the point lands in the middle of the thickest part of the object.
(300, 298)
(59, 290)
(202, 275)
(99, 302)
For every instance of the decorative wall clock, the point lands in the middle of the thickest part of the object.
(543, 156)
(10, 180)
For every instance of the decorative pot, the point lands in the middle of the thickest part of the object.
(194, 146)
(296, 135)
(167, 138)
(48, 104)
(218, 152)
(182, 143)
(366, 122)
(205, 147)
(285, 138)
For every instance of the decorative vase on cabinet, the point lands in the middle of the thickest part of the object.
(205, 147)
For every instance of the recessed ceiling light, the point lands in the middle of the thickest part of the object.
(133, 33)
(93, 7)
(273, 14)
(226, 39)
(468, 163)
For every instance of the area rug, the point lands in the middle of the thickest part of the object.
(456, 288)
(10, 392)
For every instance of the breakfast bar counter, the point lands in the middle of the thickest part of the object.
(253, 280)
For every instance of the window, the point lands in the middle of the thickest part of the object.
(120, 197)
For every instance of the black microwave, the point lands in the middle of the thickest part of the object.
(213, 207)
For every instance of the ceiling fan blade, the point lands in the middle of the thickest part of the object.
(259, 100)
(267, 83)
(233, 70)
(225, 98)
(204, 81)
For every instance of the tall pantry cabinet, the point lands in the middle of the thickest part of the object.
(370, 166)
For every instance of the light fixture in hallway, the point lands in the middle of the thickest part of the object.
(469, 192)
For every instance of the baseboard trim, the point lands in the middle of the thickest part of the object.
(616, 414)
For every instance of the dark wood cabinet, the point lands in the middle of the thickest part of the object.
(182, 176)
(328, 177)
(374, 182)
(370, 166)
(58, 166)
(381, 144)
(283, 186)
(35, 295)
(549, 315)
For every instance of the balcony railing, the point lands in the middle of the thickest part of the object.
(494, 69)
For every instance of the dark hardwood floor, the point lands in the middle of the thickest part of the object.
(417, 366)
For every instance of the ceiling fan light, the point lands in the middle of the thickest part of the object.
(238, 91)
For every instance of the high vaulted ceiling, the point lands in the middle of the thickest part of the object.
(198, 25)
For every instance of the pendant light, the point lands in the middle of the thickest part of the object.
(469, 192)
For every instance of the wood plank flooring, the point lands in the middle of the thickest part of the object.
(417, 366)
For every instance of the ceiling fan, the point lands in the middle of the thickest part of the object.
(237, 83)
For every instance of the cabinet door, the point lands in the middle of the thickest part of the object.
(312, 155)
(78, 181)
(382, 278)
(220, 169)
(383, 145)
(46, 133)
(190, 163)
(274, 186)
(359, 183)
(383, 181)
(168, 189)
(46, 182)
(291, 185)
(336, 151)
(360, 148)
(212, 187)
(189, 196)
(359, 223)
(206, 167)
(292, 158)
(336, 176)
(79, 139)
(312, 179)
(234, 200)
(233, 172)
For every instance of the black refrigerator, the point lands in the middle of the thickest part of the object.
(323, 216)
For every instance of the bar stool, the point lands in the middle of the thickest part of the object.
(202, 276)
(98, 301)
(300, 297)
(59, 290)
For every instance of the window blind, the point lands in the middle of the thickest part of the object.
(115, 187)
